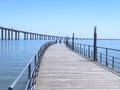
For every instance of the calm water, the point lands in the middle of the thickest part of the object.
(14, 55)
(115, 44)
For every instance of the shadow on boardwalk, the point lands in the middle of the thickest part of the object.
(63, 69)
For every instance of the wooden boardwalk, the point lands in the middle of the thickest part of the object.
(63, 69)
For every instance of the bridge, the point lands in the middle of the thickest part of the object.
(67, 66)
(14, 34)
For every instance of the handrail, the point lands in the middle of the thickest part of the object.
(31, 77)
(99, 47)
(103, 55)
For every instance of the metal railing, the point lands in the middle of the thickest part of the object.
(32, 69)
(105, 56)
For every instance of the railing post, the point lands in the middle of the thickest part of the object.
(10, 88)
(67, 41)
(88, 51)
(84, 49)
(73, 42)
(29, 74)
(29, 71)
(112, 62)
(100, 57)
(106, 57)
(95, 44)
(35, 60)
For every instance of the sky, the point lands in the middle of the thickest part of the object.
(63, 17)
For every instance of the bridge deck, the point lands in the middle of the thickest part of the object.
(63, 69)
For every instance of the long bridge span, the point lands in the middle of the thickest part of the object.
(14, 34)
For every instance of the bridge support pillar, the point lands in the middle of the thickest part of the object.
(15, 35)
(11, 35)
(24, 36)
(5, 34)
(18, 35)
(8, 34)
(1, 34)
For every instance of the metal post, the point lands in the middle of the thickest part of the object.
(106, 57)
(29, 74)
(10, 88)
(29, 71)
(73, 42)
(95, 44)
(67, 41)
(88, 51)
(84, 50)
(100, 57)
(35, 62)
(80, 48)
(112, 62)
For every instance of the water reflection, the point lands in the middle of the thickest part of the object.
(9, 46)
(14, 55)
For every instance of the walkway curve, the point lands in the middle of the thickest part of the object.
(63, 69)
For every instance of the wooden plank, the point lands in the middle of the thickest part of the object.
(63, 69)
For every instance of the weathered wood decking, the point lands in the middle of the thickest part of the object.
(63, 69)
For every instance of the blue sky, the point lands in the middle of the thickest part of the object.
(63, 17)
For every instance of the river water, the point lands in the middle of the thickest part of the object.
(14, 55)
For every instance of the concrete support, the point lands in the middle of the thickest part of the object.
(8, 34)
(18, 35)
(24, 36)
(15, 35)
(11, 35)
(30, 36)
(35, 37)
(1, 34)
(27, 36)
(5, 34)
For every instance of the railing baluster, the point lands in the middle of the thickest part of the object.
(88, 51)
(100, 57)
(29, 75)
(84, 50)
(80, 48)
(113, 62)
(106, 57)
